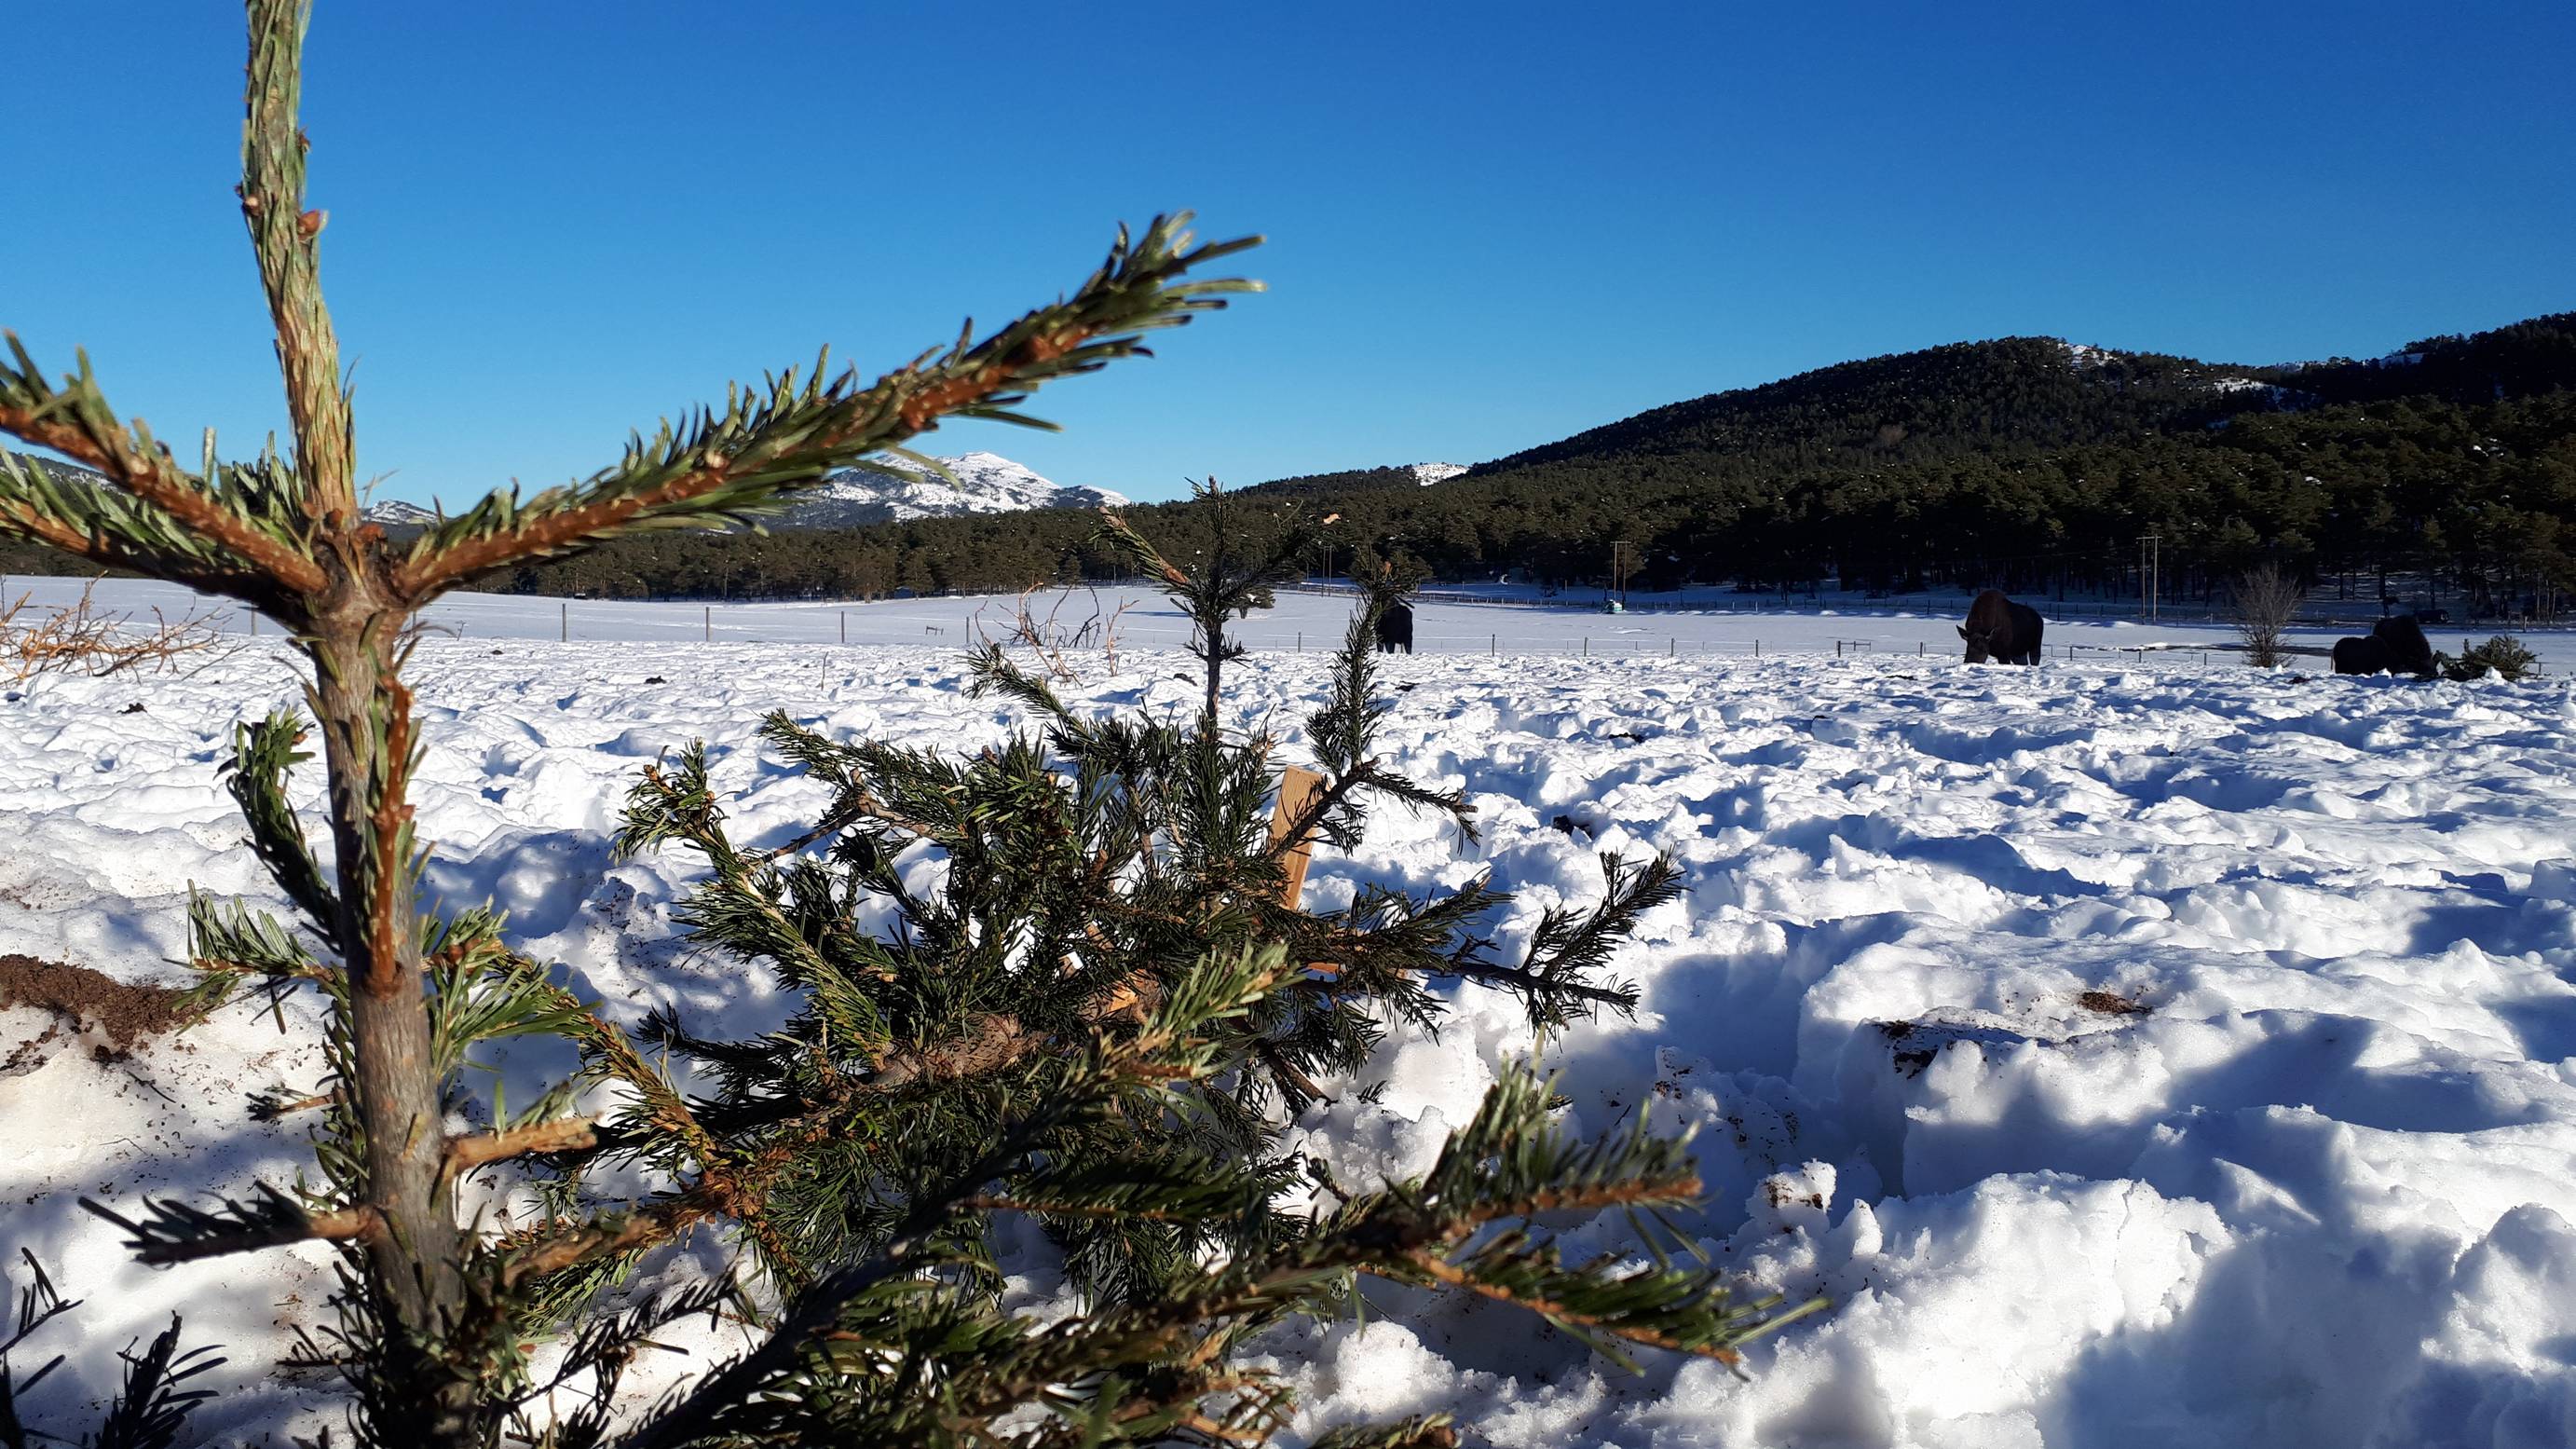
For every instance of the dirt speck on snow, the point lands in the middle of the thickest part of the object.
(2111, 1003)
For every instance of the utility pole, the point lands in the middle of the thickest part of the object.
(1619, 569)
(2150, 565)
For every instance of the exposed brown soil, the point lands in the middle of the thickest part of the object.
(2111, 1003)
(90, 999)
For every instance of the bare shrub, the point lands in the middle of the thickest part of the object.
(78, 638)
(1052, 641)
(2266, 601)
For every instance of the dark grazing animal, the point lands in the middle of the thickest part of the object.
(2394, 645)
(2002, 630)
(1395, 628)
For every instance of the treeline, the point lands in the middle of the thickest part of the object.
(2020, 463)
(2023, 463)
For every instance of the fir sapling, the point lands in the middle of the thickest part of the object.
(1096, 873)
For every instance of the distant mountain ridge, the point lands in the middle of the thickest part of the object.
(2011, 392)
(986, 483)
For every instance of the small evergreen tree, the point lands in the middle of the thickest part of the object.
(2503, 655)
(1099, 1047)
(964, 1061)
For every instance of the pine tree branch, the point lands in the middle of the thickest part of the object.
(287, 240)
(989, 1043)
(174, 1232)
(151, 1410)
(562, 1247)
(230, 946)
(1288, 1075)
(273, 1106)
(564, 1134)
(184, 528)
(1170, 1047)
(1439, 1269)
(87, 525)
(314, 974)
(728, 467)
(1435, 1431)
(1302, 827)
(263, 754)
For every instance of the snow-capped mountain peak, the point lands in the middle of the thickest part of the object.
(397, 513)
(986, 483)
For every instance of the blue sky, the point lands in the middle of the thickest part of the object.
(1491, 225)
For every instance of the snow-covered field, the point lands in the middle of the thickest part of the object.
(2139, 1053)
(1702, 621)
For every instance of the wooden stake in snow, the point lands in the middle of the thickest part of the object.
(1297, 790)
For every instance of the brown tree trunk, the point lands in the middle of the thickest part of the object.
(418, 1257)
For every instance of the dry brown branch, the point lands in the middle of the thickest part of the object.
(568, 1134)
(77, 638)
(1052, 641)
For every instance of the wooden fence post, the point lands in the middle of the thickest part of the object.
(1297, 790)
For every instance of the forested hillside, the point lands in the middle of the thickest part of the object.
(2025, 462)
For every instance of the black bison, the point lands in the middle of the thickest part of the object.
(1395, 628)
(2393, 646)
(2002, 630)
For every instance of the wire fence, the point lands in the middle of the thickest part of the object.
(1739, 630)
